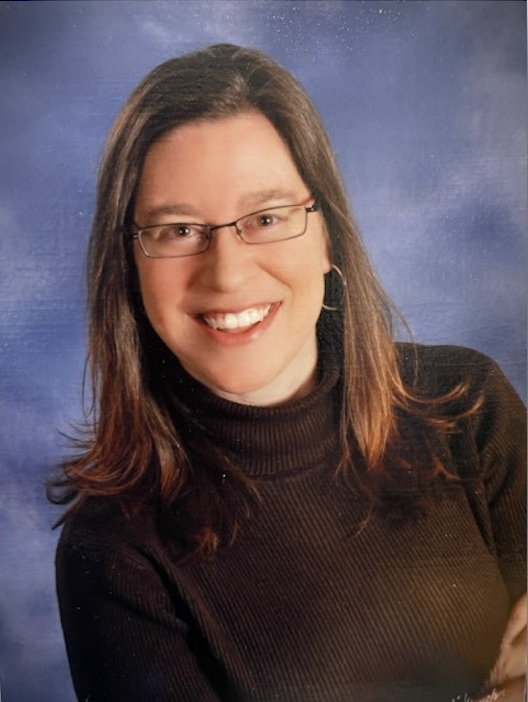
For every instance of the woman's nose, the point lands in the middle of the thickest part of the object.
(225, 263)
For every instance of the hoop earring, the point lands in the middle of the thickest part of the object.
(336, 269)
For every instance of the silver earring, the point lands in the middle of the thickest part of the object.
(339, 272)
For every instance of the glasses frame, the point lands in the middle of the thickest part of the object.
(136, 231)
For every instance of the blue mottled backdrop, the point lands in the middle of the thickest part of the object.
(425, 102)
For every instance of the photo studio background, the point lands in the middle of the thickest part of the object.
(425, 104)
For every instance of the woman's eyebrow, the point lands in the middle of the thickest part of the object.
(178, 209)
(265, 197)
(248, 203)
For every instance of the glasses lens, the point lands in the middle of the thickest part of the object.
(174, 240)
(275, 224)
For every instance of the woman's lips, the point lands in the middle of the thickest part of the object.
(234, 321)
(226, 335)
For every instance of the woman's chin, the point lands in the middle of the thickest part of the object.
(261, 389)
(268, 377)
(242, 389)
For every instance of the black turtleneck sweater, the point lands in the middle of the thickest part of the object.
(308, 605)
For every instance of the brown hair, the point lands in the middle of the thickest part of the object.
(133, 447)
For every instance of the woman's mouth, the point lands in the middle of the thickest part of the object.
(236, 320)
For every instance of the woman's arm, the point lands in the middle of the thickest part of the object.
(503, 458)
(124, 638)
(509, 672)
(503, 435)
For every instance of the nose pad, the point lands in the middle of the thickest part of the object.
(213, 231)
(225, 263)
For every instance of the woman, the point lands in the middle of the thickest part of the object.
(276, 501)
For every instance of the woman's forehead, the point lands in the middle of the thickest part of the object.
(240, 160)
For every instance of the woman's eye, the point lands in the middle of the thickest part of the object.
(175, 231)
(182, 230)
(266, 219)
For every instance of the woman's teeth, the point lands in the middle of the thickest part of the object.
(238, 320)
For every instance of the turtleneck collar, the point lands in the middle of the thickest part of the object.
(265, 442)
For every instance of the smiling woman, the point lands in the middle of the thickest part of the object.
(275, 499)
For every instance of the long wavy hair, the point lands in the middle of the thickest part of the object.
(132, 449)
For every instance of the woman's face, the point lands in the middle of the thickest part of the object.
(212, 172)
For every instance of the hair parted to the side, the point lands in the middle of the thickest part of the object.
(133, 450)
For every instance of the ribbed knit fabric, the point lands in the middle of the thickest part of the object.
(309, 605)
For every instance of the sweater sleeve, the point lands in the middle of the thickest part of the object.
(488, 449)
(501, 441)
(124, 637)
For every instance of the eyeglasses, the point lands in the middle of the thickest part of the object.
(178, 239)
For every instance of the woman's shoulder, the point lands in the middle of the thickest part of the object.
(469, 388)
(103, 525)
(437, 369)
(460, 360)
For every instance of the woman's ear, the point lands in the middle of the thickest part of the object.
(327, 262)
(327, 252)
